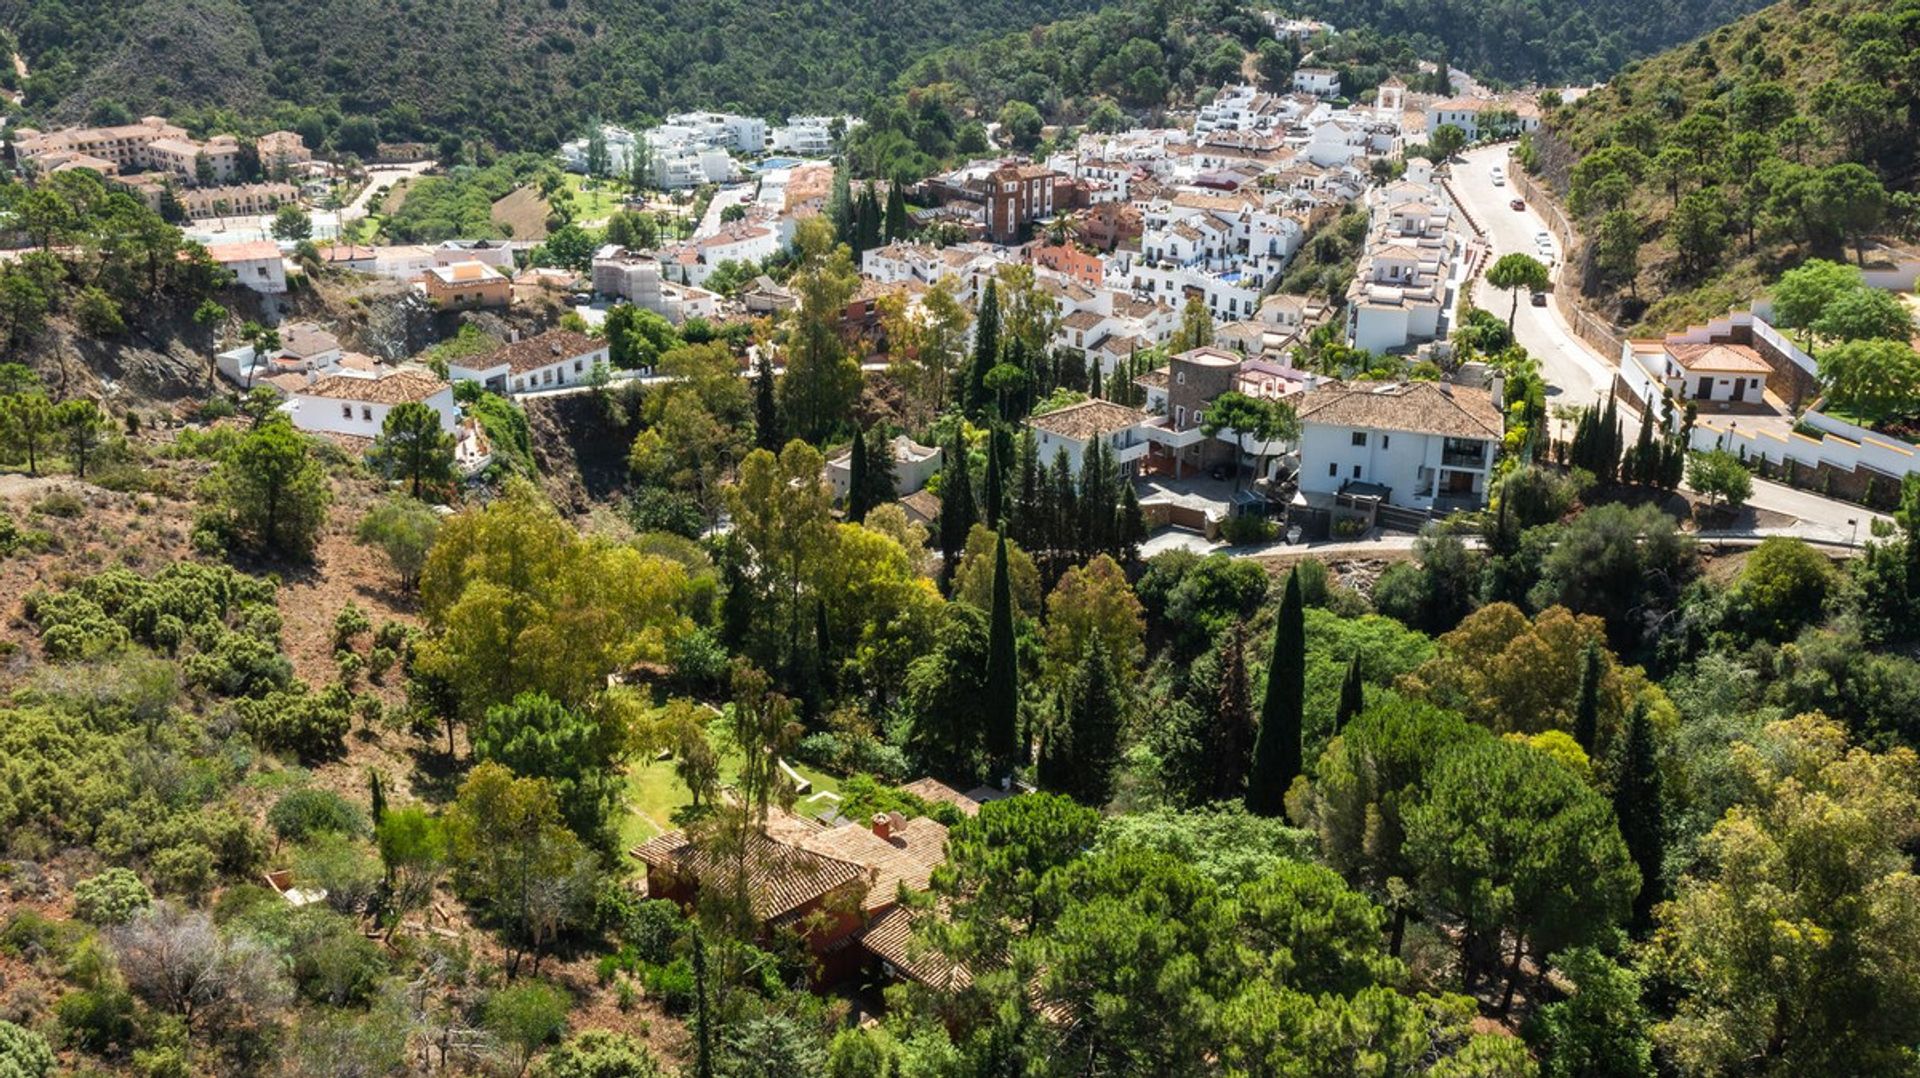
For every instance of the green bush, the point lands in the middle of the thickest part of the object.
(332, 962)
(111, 898)
(671, 984)
(311, 725)
(96, 1020)
(599, 1053)
(302, 814)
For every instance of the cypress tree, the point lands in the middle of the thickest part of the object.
(1586, 713)
(1133, 523)
(957, 514)
(857, 478)
(1638, 803)
(376, 797)
(1028, 500)
(880, 485)
(1232, 735)
(986, 350)
(1063, 525)
(1276, 748)
(1643, 468)
(996, 492)
(1002, 703)
(738, 605)
(1095, 729)
(766, 406)
(899, 225)
(840, 206)
(1353, 695)
(822, 687)
(702, 1021)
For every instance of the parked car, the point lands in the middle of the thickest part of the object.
(1539, 299)
(1519, 205)
(1543, 238)
(1499, 180)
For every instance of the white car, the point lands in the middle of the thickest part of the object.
(1499, 180)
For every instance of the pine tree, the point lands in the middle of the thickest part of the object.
(1002, 702)
(766, 406)
(957, 514)
(857, 478)
(996, 492)
(1639, 804)
(1094, 729)
(986, 350)
(1586, 715)
(1276, 748)
(1099, 501)
(738, 605)
(1353, 695)
(1232, 734)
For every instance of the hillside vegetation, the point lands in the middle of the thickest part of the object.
(517, 73)
(1701, 174)
(1548, 41)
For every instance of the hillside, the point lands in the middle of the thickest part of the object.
(1700, 174)
(1548, 41)
(518, 73)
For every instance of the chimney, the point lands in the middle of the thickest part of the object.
(883, 825)
(513, 336)
(1497, 385)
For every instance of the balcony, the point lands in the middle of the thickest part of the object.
(1464, 455)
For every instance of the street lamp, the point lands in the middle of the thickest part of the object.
(1853, 523)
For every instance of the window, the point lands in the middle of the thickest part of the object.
(1180, 378)
(1180, 416)
(1360, 438)
(1332, 470)
(366, 412)
(576, 366)
(346, 411)
(1385, 439)
(1356, 471)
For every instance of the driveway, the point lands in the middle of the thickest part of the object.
(1576, 374)
(379, 176)
(737, 195)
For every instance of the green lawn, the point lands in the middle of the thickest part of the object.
(597, 204)
(655, 793)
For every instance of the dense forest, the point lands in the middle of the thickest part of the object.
(521, 74)
(1554, 42)
(1700, 175)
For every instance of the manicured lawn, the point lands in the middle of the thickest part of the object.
(654, 793)
(596, 204)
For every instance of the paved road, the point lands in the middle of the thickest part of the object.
(1576, 373)
(736, 195)
(379, 176)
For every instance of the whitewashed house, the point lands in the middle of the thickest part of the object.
(1418, 445)
(913, 465)
(1077, 426)
(555, 359)
(357, 404)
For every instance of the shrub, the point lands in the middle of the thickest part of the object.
(333, 963)
(1241, 529)
(311, 725)
(96, 1020)
(186, 869)
(343, 868)
(23, 1053)
(349, 623)
(111, 898)
(302, 814)
(671, 984)
(599, 1053)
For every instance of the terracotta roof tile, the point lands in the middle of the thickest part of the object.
(1088, 419)
(1414, 407)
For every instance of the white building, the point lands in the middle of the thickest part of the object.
(1318, 81)
(555, 359)
(808, 136)
(724, 130)
(357, 403)
(1077, 426)
(1402, 287)
(1418, 445)
(913, 465)
(486, 252)
(256, 265)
